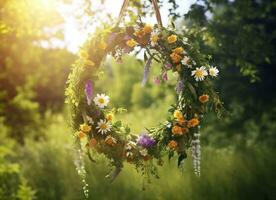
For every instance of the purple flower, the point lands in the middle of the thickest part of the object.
(89, 91)
(146, 141)
(179, 87)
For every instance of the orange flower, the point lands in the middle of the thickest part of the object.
(93, 142)
(204, 98)
(177, 130)
(175, 57)
(81, 134)
(172, 39)
(140, 33)
(185, 130)
(172, 144)
(178, 50)
(109, 117)
(193, 122)
(110, 140)
(147, 28)
(181, 121)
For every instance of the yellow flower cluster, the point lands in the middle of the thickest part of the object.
(84, 129)
(131, 43)
(172, 39)
(85, 57)
(109, 117)
(175, 58)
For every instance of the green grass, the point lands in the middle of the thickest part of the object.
(226, 174)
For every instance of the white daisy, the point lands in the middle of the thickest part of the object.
(144, 152)
(213, 71)
(101, 100)
(199, 73)
(103, 126)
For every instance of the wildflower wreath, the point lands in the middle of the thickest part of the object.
(92, 118)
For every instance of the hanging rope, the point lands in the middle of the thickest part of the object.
(125, 3)
(157, 13)
(156, 10)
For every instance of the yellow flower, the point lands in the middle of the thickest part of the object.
(109, 117)
(131, 43)
(85, 128)
(172, 39)
(102, 45)
(172, 144)
(203, 98)
(193, 122)
(89, 63)
(83, 54)
(147, 28)
(177, 114)
(175, 57)
(154, 38)
(178, 50)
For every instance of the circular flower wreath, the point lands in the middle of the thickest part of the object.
(93, 120)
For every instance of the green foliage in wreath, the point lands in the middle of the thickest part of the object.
(93, 121)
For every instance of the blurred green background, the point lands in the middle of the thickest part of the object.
(36, 149)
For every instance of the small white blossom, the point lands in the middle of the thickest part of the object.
(213, 71)
(144, 152)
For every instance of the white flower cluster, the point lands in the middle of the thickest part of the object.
(196, 153)
(79, 163)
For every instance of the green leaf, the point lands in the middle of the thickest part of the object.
(118, 124)
(192, 90)
(181, 157)
(171, 153)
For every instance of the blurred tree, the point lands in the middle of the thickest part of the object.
(32, 77)
(242, 36)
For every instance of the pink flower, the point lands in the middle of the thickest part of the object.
(157, 80)
(165, 76)
(168, 66)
